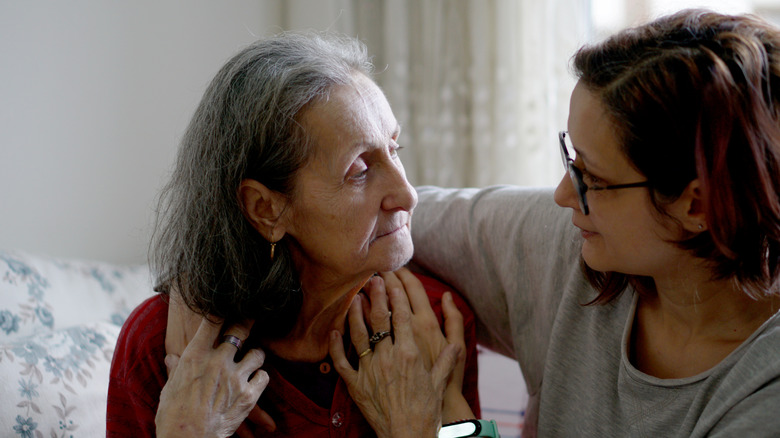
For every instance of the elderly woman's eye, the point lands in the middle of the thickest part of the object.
(394, 148)
(359, 174)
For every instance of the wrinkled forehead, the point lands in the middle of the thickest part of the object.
(353, 112)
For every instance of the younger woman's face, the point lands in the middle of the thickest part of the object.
(623, 232)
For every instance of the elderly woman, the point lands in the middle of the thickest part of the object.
(287, 197)
(649, 304)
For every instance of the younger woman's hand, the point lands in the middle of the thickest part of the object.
(208, 394)
(430, 339)
(397, 393)
(182, 325)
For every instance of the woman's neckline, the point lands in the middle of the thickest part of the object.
(627, 355)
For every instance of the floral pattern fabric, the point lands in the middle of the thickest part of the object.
(59, 322)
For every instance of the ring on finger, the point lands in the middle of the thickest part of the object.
(364, 353)
(378, 336)
(230, 339)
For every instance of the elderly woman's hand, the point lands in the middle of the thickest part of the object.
(208, 394)
(396, 392)
(431, 341)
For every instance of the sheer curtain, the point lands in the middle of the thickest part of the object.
(480, 87)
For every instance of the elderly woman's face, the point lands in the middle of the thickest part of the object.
(352, 205)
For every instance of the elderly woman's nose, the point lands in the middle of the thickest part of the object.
(400, 193)
(565, 195)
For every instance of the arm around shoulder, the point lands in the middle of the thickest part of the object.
(506, 249)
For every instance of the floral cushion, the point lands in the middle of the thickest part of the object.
(59, 322)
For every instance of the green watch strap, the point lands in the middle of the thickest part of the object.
(470, 428)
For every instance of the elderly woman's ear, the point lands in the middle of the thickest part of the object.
(263, 208)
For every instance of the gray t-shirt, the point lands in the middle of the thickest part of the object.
(514, 255)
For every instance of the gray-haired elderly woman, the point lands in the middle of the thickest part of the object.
(287, 197)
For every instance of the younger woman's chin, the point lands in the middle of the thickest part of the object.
(593, 261)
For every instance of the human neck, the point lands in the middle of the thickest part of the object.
(692, 323)
(324, 309)
(699, 307)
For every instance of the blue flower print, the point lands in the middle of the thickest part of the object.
(87, 338)
(53, 366)
(68, 426)
(35, 290)
(118, 319)
(17, 267)
(25, 428)
(78, 356)
(85, 342)
(9, 322)
(30, 351)
(45, 316)
(27, 389)
(23, 270)
(104, 283)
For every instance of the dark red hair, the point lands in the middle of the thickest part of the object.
(696, 95)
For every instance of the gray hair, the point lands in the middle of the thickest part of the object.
(246, 126)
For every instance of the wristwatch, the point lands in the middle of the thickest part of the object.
(466, 428)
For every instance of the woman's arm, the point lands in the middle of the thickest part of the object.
(509, 251)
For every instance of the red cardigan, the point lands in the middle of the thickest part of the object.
(138, 374)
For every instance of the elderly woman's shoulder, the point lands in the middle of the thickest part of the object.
(141, 342)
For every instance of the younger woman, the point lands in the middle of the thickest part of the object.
(670, 327)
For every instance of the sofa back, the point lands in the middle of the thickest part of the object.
(59, 321)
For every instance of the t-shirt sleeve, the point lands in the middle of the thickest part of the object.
(754, 416)
(138, 372)
(746, 401)
(509, 251)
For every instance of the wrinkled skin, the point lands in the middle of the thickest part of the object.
(207, 383)
(400, 386)
(428, 338)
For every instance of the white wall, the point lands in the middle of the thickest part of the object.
(94, 97)
(609, 16)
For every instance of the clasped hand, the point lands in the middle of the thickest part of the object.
(400, 384)
(406, 384)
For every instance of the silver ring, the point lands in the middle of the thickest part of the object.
(378, 336)
(230, 339)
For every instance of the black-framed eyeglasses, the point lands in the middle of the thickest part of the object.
(576, 175)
